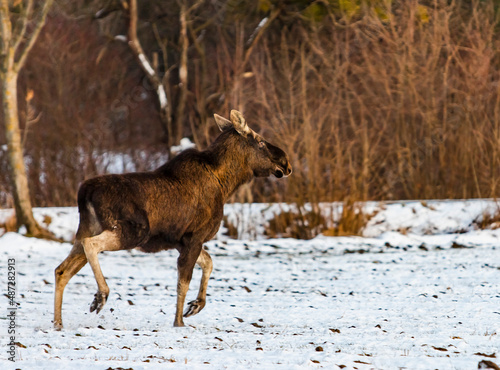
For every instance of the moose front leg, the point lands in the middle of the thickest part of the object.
(205, 262)
(185, 265)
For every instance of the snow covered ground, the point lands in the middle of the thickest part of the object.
(420, 290)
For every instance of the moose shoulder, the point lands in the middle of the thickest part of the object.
(179, 205)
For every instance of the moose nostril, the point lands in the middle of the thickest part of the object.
(289, 170)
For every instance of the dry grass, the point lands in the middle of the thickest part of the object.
(297, 225)
(399, 108)
(488, 219)
(351, 222)
(232, 230)
(10, 224)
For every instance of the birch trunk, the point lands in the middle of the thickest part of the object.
(17, 169)
(11, 44)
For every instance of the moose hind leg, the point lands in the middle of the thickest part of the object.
(63, 273)
(106, 241)
(205, 262)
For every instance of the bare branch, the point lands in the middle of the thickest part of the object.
(5, 26)
(136, 47)
(261, 24)
(258, 32)
(111, 7)
(40, 22)
(145, 64)
(25, 20)
(183, 70)
(194, 6)
(163, 47)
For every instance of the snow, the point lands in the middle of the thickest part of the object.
(261, 24)
(419, 290)
(145, 63)
(114, 162)
(121, 38)
(184, 144)
(162, 97)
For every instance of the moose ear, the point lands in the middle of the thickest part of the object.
(222, 122)
(240, 124)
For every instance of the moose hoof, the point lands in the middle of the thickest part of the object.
(58, 326)
(99, 302)
(194, 307)
(178, 324)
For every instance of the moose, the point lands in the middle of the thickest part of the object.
(179, 205)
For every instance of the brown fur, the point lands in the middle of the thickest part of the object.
(179, 205)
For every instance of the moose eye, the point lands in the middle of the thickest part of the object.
(262, 144)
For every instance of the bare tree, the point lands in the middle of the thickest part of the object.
(158, 83)
(20, 25)
(172, 121)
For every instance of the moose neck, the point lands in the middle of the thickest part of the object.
(231, 168)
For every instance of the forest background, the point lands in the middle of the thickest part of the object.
(372, 99)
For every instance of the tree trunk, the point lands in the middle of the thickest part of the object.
(17, 170)
(183, 74)
(15, 44)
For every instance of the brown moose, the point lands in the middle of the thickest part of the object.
(179, 205)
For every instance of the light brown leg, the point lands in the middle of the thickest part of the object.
(185, 266)
(205, 262)
(63, 273)
(105, 241)
(182, 288)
